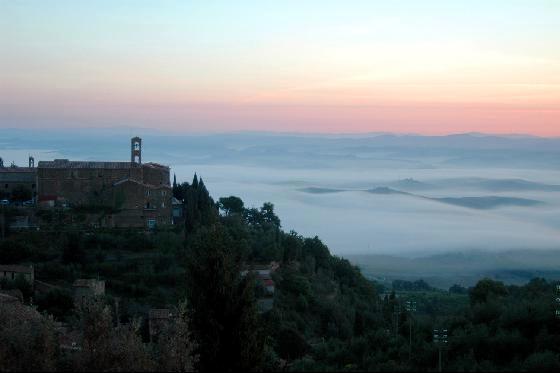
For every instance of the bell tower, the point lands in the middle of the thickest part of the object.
(136, 150)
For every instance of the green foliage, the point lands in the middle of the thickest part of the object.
(290, 343)
(231, 205)
(458, 289)
(19, 283)
(73, 251)
(13, 251)
(200, 209)
(27, 340)
(58, 303)
(418, 285)
(105, 347)
(222, 305)
(486, 290)
(325, 314)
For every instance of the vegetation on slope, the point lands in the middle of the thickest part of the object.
(326, 314)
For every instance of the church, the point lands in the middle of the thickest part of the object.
(121, 194)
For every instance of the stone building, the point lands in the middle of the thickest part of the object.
(158, 320)
(84, 289)
(131, 194)
(11, 272)
(13, 178)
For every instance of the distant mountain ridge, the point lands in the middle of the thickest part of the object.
(298, 150)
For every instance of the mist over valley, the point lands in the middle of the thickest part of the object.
(366, 196)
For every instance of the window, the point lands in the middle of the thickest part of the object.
(163, 193)
(163, 205)
(148, 192)
(151, 223)
(6, 186)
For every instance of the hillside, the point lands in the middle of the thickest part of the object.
(324, 315)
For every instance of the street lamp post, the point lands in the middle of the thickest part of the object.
(557, 301)
(411, 308)
(2, 223)
(440, 339)
(397, 314)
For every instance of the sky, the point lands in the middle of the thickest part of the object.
(428, 67)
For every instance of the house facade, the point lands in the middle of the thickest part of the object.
(11, 272)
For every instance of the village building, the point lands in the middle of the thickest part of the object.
(177, 209)
(11, 272)
(85, 289)
(263, 274)
(18, 182)
(158, 320)
(128, 194)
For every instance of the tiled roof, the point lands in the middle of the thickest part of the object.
(154, 165)
(65, 163)
(166, 186)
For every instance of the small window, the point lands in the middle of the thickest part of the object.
(148, 192)
(151, 223)
(32, 186)
(163, 205)
(6, 186)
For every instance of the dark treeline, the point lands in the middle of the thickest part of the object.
(325, 316)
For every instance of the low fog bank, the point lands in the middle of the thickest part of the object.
(463, 268)
(454, 194)
(357, 222)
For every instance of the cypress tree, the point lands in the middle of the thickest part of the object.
(222, 304)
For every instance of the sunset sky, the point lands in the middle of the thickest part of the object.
(430, 67)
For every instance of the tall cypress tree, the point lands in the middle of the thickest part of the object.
(222, 304)
(200, 209)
